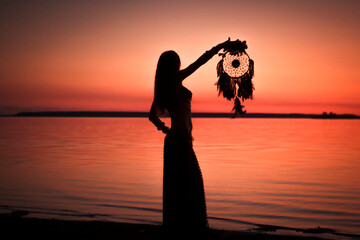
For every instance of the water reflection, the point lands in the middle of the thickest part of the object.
(288, 172)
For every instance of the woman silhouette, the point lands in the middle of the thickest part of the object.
(184, 204)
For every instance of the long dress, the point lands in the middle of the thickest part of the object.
(184, 205)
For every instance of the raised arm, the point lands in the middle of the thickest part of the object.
(201, 60)
(154, 117)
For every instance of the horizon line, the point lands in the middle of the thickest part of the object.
(194, 114)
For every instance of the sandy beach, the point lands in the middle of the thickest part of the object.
(17, 226)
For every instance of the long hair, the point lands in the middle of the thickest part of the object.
(167, 67)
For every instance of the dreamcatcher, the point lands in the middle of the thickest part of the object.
(235, 71)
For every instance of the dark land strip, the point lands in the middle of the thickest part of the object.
(194, 115)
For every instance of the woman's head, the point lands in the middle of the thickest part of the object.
(167, 67)
(169, 63)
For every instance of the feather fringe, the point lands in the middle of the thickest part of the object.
(225, 85)
(238, 108)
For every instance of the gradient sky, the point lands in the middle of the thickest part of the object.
(102, 55)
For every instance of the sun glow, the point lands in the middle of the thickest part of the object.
(102, 55)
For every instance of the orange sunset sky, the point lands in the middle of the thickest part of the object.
(102, 55)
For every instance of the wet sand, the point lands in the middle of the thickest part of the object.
(17, 226)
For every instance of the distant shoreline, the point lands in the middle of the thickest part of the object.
(194, 115)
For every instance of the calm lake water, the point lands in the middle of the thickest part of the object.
(290, 172)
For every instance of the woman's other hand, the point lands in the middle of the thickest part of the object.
(165, 129)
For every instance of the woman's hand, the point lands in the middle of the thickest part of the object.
(165, 129)
(224, 44)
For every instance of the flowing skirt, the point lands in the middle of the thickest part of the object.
(184, 205)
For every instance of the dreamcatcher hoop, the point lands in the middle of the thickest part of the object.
(235, 72)
(236, 65)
